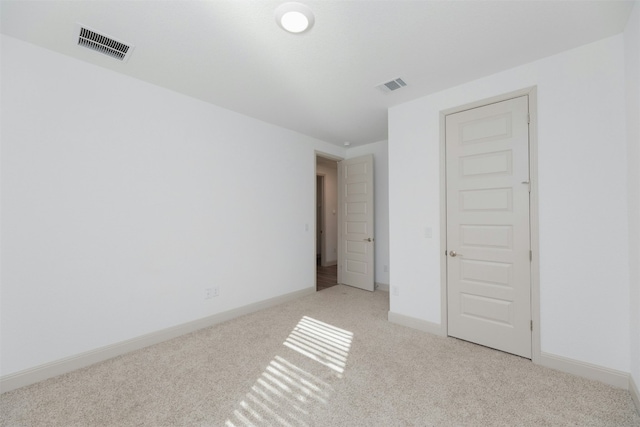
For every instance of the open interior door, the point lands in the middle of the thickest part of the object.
(355, 223)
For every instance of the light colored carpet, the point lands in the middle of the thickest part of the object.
(329, 359)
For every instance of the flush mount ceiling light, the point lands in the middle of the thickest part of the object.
(294, 17)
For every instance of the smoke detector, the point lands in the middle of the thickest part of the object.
(392, 85)
(101, 43)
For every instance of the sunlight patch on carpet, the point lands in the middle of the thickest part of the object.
(321, 342)
(284, 392)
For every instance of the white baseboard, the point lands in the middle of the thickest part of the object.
(590, 371)
(72, 363)
(586, 370)
(635, 393)
(412, 322)
(382, 287)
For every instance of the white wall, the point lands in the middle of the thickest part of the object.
(632, 74)
(381, 201)
(584, 267)
(330, 208)
(122, 202)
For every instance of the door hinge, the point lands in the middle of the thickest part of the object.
(528, 118)
(531, 323)
(530, 255)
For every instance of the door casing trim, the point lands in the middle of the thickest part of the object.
(531, 92)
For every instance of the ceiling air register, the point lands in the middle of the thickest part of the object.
(103, 44)
(392, 85)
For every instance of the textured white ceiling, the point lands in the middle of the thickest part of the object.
(321, 83)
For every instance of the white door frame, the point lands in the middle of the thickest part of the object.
(533, 214)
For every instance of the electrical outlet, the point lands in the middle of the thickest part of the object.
(216, 291)
(395, 291)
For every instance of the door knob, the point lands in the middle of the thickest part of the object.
(368, 239)
(454, 254)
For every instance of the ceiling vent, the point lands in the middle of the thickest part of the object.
(392, 85)
(103, 44)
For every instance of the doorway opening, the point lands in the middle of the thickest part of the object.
(326, 222)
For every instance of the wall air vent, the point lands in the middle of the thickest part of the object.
(392, 85)
(103, 44)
